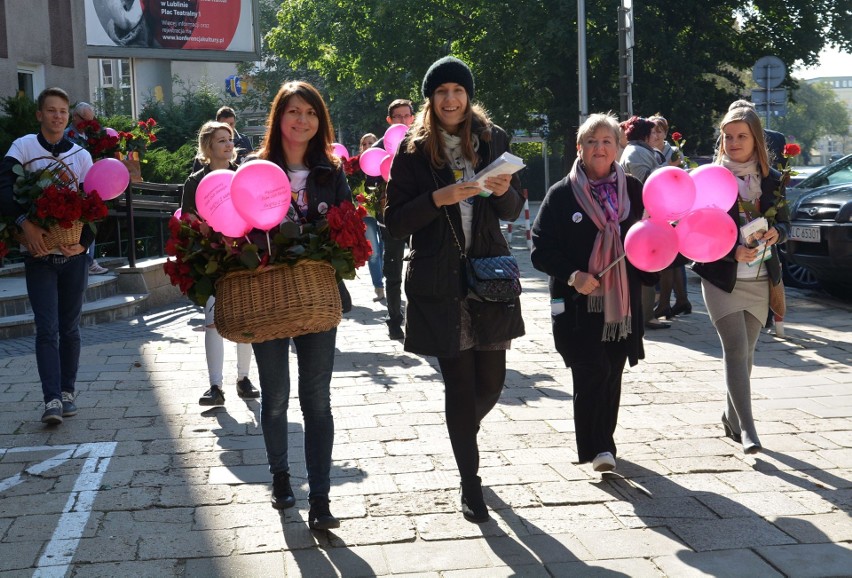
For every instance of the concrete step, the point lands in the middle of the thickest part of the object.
(99, 311)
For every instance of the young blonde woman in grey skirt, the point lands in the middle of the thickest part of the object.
(737, 294)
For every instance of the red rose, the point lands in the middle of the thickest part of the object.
(677, 136)
(792, 150)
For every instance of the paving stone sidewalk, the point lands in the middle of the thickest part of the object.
(144, 482)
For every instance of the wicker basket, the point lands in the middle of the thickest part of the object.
(56, 235)
(278, 301)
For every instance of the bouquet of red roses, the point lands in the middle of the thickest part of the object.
(100, 142)
(51, 197)
(203, 256)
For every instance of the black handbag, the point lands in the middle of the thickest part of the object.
(495, 279)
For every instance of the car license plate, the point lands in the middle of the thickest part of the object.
(804, 234)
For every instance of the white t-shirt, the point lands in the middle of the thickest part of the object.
(27, 148)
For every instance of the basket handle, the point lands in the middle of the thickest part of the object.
(50, 167)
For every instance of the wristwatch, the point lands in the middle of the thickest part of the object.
(572, 278)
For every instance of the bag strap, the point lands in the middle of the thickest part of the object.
(447, 214)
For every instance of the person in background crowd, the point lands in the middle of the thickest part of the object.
(82, 113)
(242, 143)
(56, 278)
(431, 199)
(400, 111)
(216, 152)
(597, 319)
(639, 159)
(737, 294)
(299, 138)
(373, 235)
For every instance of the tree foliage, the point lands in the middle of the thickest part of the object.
(814, 112)
(688, 55)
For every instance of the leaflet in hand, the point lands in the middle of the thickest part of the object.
(748, 231)
(505, 164)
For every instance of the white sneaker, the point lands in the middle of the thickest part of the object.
(96, 269)
(779, 330)
(604, 462)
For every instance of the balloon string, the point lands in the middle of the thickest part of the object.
(268, 243)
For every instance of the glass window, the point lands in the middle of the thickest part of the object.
(25, 84)
(124, 67)
(106, 73)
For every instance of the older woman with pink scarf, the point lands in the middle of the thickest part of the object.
(597, 316)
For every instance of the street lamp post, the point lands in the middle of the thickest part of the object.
(582, 80)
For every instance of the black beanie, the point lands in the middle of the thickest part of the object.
(448, 69)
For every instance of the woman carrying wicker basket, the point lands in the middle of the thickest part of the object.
(299, 138)
(216, 151)
(56, 276)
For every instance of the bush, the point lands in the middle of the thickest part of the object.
(180, 119)
(19, 119)
(164, 166)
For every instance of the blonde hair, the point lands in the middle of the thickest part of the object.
(750, 117)
(205, 140)
(596, 121)
(362, 144)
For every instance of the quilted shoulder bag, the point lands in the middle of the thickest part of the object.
(496, 279)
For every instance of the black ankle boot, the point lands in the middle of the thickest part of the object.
(319, 516)
(472, 503)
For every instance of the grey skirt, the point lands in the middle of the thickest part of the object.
(750, 295)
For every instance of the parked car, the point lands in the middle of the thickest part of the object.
(821, 236)
(796, 271)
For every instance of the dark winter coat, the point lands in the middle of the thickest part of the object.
(434, 282)
(723, 273)
(563, 236)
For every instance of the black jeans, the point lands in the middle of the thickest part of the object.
(392, 270)
(473, 382)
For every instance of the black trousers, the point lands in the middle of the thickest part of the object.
(473, 382)
(597, 396)
(392, 270)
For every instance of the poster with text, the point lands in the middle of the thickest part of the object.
(219, 25)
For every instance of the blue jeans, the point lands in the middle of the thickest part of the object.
(55, 287)
(375, 262)
(315, 356)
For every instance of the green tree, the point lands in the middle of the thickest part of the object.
(814, 112)
(687, 58)
(181, 118)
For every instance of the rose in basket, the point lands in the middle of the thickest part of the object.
(52, 200)
(203, 255)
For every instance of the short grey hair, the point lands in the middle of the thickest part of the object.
(596, 121)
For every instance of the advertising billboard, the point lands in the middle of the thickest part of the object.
(211, 30)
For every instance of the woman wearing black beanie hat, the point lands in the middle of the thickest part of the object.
(431, 199)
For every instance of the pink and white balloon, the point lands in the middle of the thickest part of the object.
(340, 151)
(715, 187)
(108, 178)
(215, 206)
(668, 193)
(260, 192)
(371, 161)
(706, 235)
(393, 136)
(651, 245)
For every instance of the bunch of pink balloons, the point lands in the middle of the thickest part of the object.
(699, 203)
(256, 196)
(376, 161)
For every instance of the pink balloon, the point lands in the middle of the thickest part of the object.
(178, 213)
(108, 178)
(385, 167)
(715, 187)
(111, 132)
(706, 235)
(668, 193)
(393, 136)
(261, 193)
(213, 200)
(651, 245)
(340, 151)
(371, 161)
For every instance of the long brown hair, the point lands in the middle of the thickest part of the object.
(425, 130)
(748, 116)
(319, 147)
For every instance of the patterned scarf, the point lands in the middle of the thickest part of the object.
(748, 175)
(607, 204)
